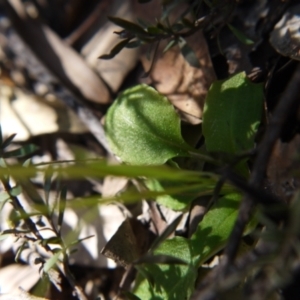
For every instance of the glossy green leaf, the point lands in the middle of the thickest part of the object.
(232, 113)
(143, 128)
(240, 35)
(178, 281)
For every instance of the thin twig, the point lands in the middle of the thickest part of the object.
(18, 207)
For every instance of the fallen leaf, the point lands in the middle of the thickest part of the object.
(113, 185)
(15, 275)
(21, 295)
(113, 71)
(131, 240)
(28, 115)
(282, 169)
(60, 59)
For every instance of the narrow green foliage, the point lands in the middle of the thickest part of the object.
(129, 26)
(189, 54)
(8, 141)
(23, 151)
(171, 44)
(19, 251)
(186, 193)
(51, 262)
(240, 35)
(114, 51)
(100, 168)
(62, 206)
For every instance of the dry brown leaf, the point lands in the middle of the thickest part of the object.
(61, 60)
(184, 85)
(28, 115)
(14, 276)
(21, 295)
(130, 241)
(113, 71)
(113, 185)
(282, 168)
(40, 74)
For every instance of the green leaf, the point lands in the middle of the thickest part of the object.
(129, 296)
(16, 190)
(188, 53)
(51, 261)
(170, 228)
(134, 44)
(232, 113)
(62, 206)
(160, 259)
(8, 141)
(154, 30)
(170, 281)
(171, 44)
(143, 128)
(98, 168)
(129, 26)
(181, 200)
(19, 251)
(29, 189)
(23, 151)
(178, 281)
(240, 35)
(115, 50)
(4, 196)
(213, 232)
